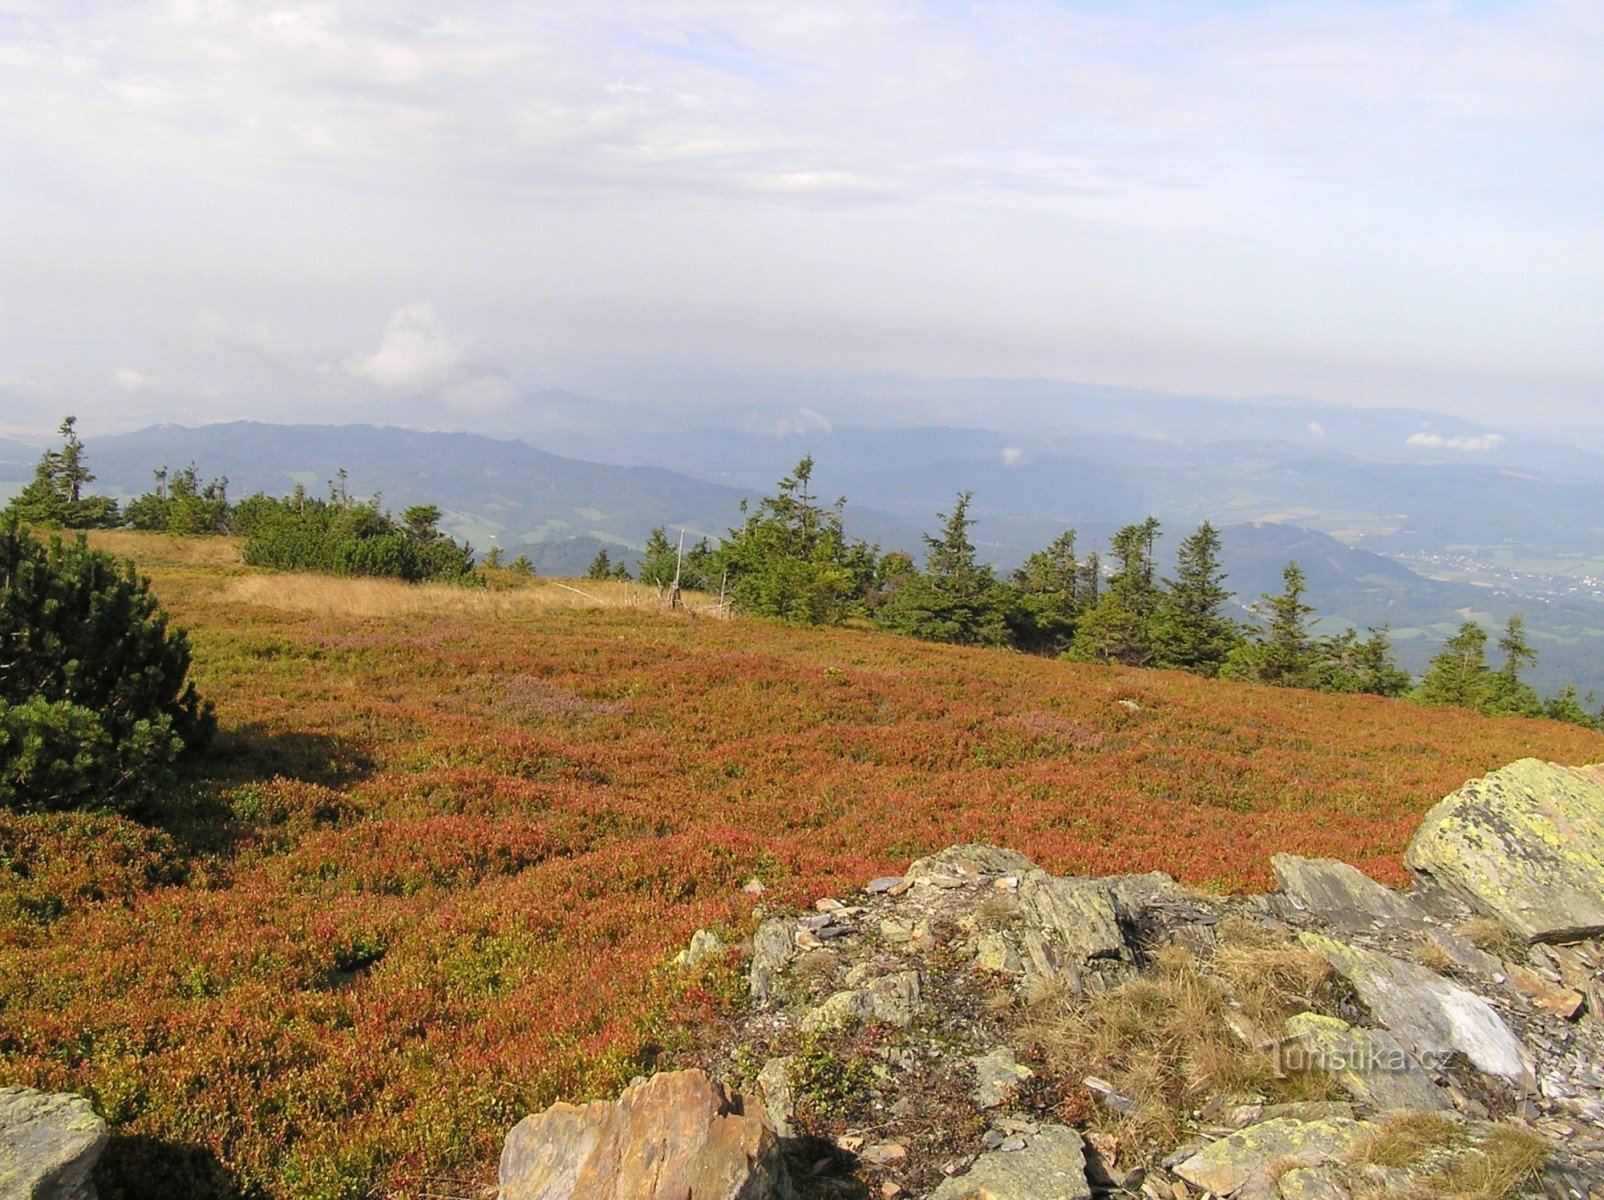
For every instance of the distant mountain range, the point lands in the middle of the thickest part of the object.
(1501, 524)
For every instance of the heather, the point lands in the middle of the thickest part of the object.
(421, 883)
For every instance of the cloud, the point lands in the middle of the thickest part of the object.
(1013, 456)
(414, 356)
(1468, 445)
(802, 421)
(1317, 431)
(129, 380)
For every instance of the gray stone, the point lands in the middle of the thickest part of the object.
(997, 1074)
(1227, 1166)
(883, 884)
(49, 1145)
(705, 944)
(1343, 898)
(1430, 1015)
(1051, 1166)
(969, 862)
(1371, 1064)
(666, 1138)
(774, 1089)
(1065, 924)
(1312, 1183)
(773, 947)
(1525, 845)
(889, 1000)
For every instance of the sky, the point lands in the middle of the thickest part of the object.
(214, 209)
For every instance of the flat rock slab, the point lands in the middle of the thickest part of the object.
(1372, 1064)
(1050, 1166)
(1227, 1166)
(49, 1144)
(1430, 1015)
(672, 1137)
(1525, 845)
(1344, 898)
(997, 1076)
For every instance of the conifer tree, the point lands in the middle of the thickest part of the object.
(1281, 653)
(1122, 626)
(1508, 694)
(601, 567)
(55, 496)
(1047, 598)
(1193, 633)
(791, 557)
(1458, 675)
(956, 598)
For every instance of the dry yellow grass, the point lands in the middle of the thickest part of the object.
(335, 596)
(164, 550)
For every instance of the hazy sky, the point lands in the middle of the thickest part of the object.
(212, 209)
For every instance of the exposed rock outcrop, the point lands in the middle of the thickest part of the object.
(49, 1145)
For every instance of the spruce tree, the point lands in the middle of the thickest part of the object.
(601, 567)
(1192, 632)
(956, 598)
(1281, 653)
(55, 496)
(1122, 626)
(1047, 598)
(1458, 675)
(1509, 695)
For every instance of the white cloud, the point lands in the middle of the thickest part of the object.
(129, 380)
(1317, 431)
(1013, 456)
(802, 421)
(414, 356)
(1469, 445)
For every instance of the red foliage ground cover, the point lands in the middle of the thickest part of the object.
(425, 881)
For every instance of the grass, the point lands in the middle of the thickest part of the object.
(1163, 1039)
(1450, 1161)
(422, 884)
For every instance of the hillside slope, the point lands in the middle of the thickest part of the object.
(420, 886)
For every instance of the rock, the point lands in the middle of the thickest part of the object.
(1065, 924)
(49, 1144)
(774, 1089)
(1524, 845)
(1565, 1003)
(671, 1137)
(704, 944)
(1342, 898)
(997, 1074)
(969, 862)
(883, 884)
(1051, 1166)
(773, 947)
(1225, 1167)
(883, 1154)
(1312, 1183)
(889, 1000)
(1430, 1015)
(1371, 1064)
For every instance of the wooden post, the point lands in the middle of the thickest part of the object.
(679, 559)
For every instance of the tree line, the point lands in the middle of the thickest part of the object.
(790, 558)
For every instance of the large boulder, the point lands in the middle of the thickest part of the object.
(49, 1144)
(1434, 1018)
(676, 1136)
(1524, 845)
(1258, 1152)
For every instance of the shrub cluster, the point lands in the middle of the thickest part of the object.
(346, 537)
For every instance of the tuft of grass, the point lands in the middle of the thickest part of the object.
(1405, 1139)
(1494, 937)
(1453, 1164)
(1273, 982)
(1163, 1041)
